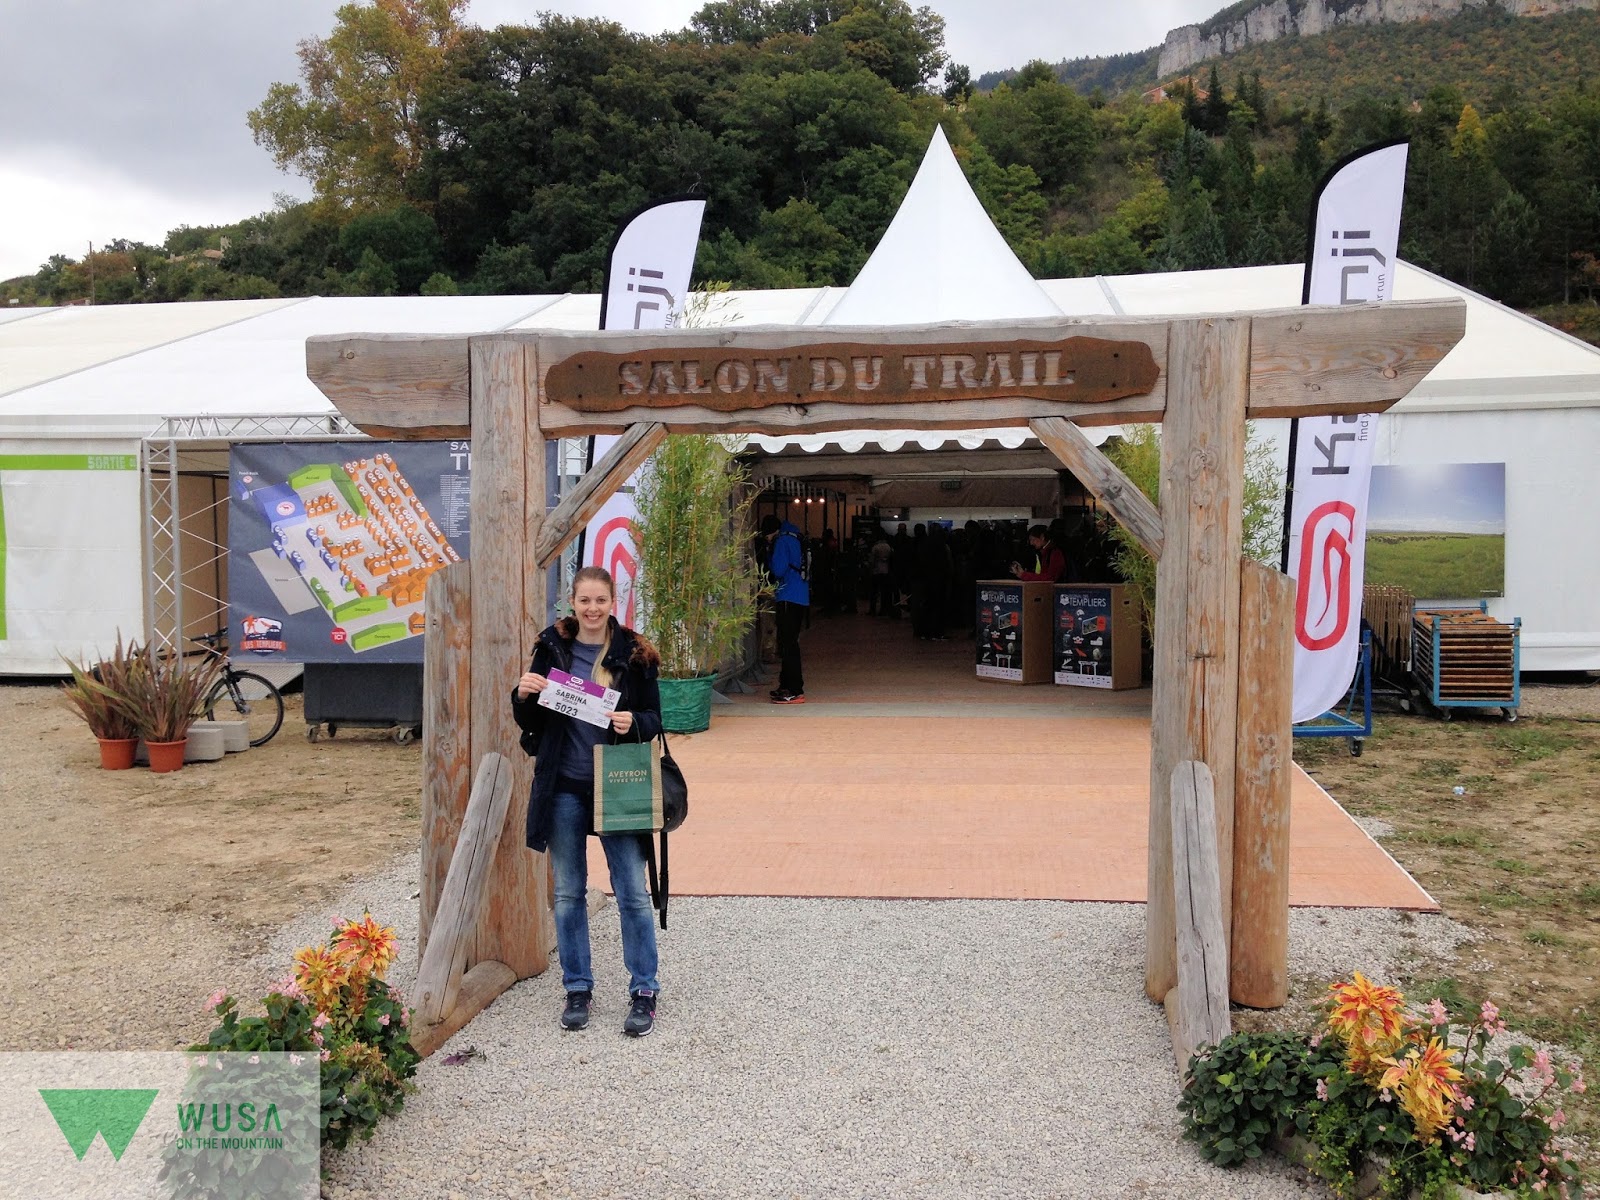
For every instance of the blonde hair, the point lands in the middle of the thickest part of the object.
(602, 676)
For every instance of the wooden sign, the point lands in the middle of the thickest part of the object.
(728, 379)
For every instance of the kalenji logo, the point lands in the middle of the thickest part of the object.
(613, 550)
(1323, 600)
(262, 635)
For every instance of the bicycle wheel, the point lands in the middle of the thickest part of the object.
(243, 696)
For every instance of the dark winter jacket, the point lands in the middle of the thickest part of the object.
(632, 661)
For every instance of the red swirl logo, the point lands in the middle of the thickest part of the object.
(1323, 587)
(613, 550)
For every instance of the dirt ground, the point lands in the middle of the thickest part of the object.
(130, 896)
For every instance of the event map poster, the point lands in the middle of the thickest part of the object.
(1000, 631)
(1083, 636)
(330, 545)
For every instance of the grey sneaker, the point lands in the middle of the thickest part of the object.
(576, 1014)
(641, 1015)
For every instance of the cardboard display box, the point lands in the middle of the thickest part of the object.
(1096, 632)
(1014, 640)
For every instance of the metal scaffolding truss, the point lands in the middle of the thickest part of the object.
(191, 445)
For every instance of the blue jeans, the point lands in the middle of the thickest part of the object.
(569, 837)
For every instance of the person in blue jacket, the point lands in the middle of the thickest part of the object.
(594, 646)
(786, 564)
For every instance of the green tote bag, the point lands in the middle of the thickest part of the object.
(627, 788)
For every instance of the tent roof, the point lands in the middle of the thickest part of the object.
(120, 370)
(941, 259)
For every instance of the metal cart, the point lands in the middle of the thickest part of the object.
(1342, 720)
(1463, 658)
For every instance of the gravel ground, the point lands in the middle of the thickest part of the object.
(1579, 699)
(833, 1048)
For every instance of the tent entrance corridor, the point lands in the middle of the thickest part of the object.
(906, 776)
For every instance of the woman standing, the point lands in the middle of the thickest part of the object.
(592, 645)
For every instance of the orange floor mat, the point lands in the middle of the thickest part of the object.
(903, 776)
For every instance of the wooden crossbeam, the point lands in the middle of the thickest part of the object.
(597, 486)
(1120, 495)
(1359, 358)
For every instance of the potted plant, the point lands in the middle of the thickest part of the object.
(169, 696)
(103, 695)
(697, 585)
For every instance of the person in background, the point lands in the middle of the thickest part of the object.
(1050, 564)
(880, 583)
(593, 646)
(786, 562)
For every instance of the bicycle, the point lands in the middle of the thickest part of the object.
(242, 695)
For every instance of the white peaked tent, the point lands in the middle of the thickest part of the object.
(941, 259)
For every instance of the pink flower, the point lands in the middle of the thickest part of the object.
(295, 1060)
(405, 1016)
(254, 1059)
(1385, 1096)
(1543, 1069)
(383, 1020)
(1316, 1039)
(320, 1021)
(1465, 1102)
(1472, 1141)
(216, 998)
(325, 1055)
(1436, 1013)
(1557, 1120)
(1538, 1185)
(1322, 1089)
(316, 1036)
(1579, 1086)
(1488, 1012)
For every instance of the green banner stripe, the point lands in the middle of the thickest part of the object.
(69, 462)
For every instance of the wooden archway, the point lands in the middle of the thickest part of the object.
(1221, 624)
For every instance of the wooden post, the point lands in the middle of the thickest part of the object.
(479, 988)
(445, 961)
(508, 478)
(1193, 708)
(1199, 1014)
(1259, 945)
(446, 724)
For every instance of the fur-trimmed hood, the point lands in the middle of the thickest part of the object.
(627, 646)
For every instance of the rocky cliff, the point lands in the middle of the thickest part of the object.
(1275, 19)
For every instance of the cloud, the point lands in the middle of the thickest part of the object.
(58, 202)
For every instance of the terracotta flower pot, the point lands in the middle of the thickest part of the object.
(116, 754)
(166, 756)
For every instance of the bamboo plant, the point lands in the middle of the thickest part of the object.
(698, 582)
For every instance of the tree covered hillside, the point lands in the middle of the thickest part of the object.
(446, 158)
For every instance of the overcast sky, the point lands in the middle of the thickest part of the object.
(127, 119)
